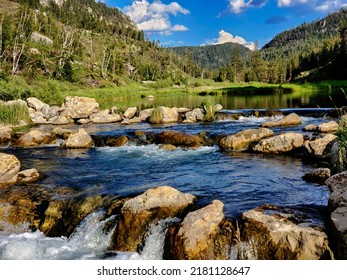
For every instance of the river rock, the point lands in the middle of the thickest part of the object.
(139, 213)
(311, 127)
(104, 117)
(321, 146)
(179, 139)
(203, 235)
(338, 207)
(28, 176)
(276, 234)
(241, 140)
(59, 120)
(328, 127)
(195, 115)
(5, 135)
(131, 121)
(79, 107)
(80, 139)
(291, 119)
(9, 167)
(167, 147)
(117, 142)
(62, 133)
(282, 143)
(34, 138)
(38, 118)
(164, 115)
(145, 114)
(319, 175)
(35, 103)
(130, 113)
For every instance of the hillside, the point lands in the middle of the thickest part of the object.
(212, 56)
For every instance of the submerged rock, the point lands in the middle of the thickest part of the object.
(241, 140)
(283, 143)
(202, 235)
(277, 234)
(139, 213)
(179, 139)
(80, 139)
(291, 119)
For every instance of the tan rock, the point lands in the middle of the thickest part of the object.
(81, 139)
(291, 119)
(79, 107)
(320, 146)
(179, 139)
(35, 103)
(328, 127)
(130, 113)
(139, 213)
(280, 144)
(9, 167)
(28, 176)
(195, 115)
(34, 138)
(145, 114)
(241, 140)
(5, 135)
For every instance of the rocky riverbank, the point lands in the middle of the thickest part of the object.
(199, 231)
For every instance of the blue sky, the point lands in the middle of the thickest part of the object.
(199, 22)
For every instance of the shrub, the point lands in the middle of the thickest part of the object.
(13, 114)
(156, 116)
(210, 110)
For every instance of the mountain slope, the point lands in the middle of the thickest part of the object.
(212, 56)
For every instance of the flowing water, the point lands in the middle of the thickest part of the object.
(241, 180)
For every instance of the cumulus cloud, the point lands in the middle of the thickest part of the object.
(319, 5)
(237, 6)
(225, 37)
(155, 16)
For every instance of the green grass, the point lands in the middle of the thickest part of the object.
(13, 114)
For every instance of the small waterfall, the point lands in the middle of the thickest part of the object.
(154, 242)
(244, 250)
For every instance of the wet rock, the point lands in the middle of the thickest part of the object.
(62, 133)
(131, 121)
(9, 167)
(195, 115)
(202, 235)
(328, 127)
(79, 107)
(130, 113)
(139, 213)
(241, 140)
(311, 127)
(81, 139)
(179, 139)
(321, 146)
(279, 234)
(291, 119)
(34, 138)
(117, 142)
(167, 147)
(5, 135)
(28, 176)
(319, 175)
(280, 144)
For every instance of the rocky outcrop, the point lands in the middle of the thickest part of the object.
(78, 140)
(179, 139)
(319, 175)
(79, 107)
(338, 207)
(5, 135)
(291, 119)
(279, 234)
(242, 140)
(34, 138)
(320, 146)
(10, 171)
(329, 127)
(202, 235)
(139, 213)
(283, 143)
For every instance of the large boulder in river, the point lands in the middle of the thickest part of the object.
(291, 119)
(79, 107)
(195, 115)
(104, 117)
(9, 167)
(329, 127)
(179, 139)
(320, 146)
(202, 235)
(338, 208)
(280, 234)
(34, 138)
(140, 213)
(164, 115)
(78, 140)
(282, 143)
(5, 135)
(241, 140)
(130, 113)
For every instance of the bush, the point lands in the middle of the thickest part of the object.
(49, 92)
(210, 110)
(13, 114)
(14, 87)
(156, 116)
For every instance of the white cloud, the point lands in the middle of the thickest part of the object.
(155, 16)
(319, 5)
(225, 37)
(237, 6)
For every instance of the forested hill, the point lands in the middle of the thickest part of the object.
(306, 37)
(212, 56)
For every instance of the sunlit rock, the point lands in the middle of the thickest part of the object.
(321, 146)
(79, 107)
(280, 234)
(195, 115)
(179, 139)
(291, 119)
(80, 139)
(139, 213)
(9, 167)
(5, 135)
(35, 103)
(144, 115)
(28, 176)
(130, 113)
(328, 127)
(283, 143)
(202, 235)
(241, 140)
(34, 138)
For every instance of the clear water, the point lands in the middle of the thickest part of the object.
(242, 181)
